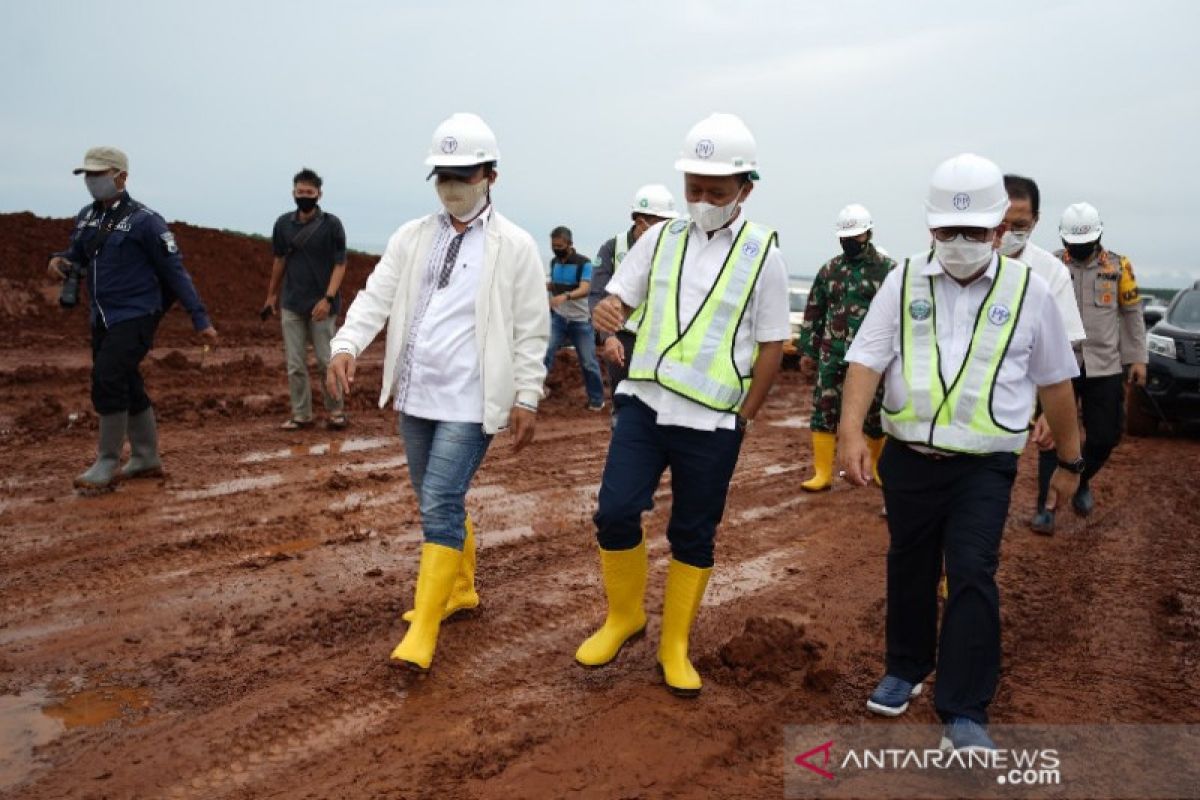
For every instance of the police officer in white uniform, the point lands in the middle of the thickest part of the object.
(964, 340)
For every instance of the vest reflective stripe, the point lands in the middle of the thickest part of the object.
(959, 417)
(697, 362)
(620, 250)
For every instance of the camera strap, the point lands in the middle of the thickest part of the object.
(106, 226)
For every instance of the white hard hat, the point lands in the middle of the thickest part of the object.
(462, 140)
(1080, 224)
(966, 191)
(853, 220)
(719, 145)
(655, 200)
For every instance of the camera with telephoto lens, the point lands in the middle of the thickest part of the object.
(72, 278)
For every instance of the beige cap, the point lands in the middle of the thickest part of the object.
(102, 159)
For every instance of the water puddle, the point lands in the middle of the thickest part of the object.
(747, 577)
(31, 720)
(222, 488)
(93, 707)
(790, 422)
(759, 512)
(333, 448)
(780, 469)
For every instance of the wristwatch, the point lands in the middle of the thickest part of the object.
(329, 298)
(743, 424)
(1076, 466)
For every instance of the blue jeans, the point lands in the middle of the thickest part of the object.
(702, 464)
(584, 339)
(442, 460)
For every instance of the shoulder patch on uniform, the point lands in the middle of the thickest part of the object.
(168, 240)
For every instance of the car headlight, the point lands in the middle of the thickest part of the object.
(1161, 345)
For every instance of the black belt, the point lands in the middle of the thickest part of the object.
(934, 456)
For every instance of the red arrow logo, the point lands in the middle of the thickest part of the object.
(826, 749)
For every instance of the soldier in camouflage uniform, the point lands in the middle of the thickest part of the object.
(837, 303)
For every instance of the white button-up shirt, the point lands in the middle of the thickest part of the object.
(765, 320)
(1038, 355)
(438, 375)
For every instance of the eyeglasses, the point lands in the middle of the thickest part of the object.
(970, 234)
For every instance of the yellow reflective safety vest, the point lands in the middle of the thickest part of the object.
(696, 359)
(620, 250)
(957, 417)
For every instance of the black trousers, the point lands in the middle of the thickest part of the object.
(618, 372)
(1102, 401)
(702, 465)
(117, 354)
(954, 510)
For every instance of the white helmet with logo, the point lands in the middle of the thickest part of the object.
(462, 140)
(719, 145)
(1080, 224)
(966, 191)
(655, 200)
(853, 220)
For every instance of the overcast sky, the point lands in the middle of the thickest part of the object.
(219, 103)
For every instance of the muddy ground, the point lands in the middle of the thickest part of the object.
(223, 632)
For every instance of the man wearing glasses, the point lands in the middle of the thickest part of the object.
(963, 339)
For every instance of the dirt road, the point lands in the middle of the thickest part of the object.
(223, 633)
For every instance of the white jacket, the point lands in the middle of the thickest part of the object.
(512, 318)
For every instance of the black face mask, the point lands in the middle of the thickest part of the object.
(306, 204)
(852, 248)
(561, 254)
(1081, 252)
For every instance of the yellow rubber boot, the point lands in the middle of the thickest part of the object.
(685, 588)
(823, 445)
(876, 448)
(439, 566)
(463, 596)
(624, 574)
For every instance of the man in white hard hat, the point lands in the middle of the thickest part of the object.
(462, 294)
(652, 204)
(1111, 310)
(840, 296)
(964, 340)
(708, 347)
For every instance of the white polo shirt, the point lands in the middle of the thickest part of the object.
(765, 320)
(438, 372)
(1038, 355)
(1056, 274)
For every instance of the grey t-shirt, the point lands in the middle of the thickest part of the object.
(308, 267)
(566, 275)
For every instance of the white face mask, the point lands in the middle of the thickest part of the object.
(101, 187)
(711, 218)
(961, 258)
(1013, 242)
(463, 201)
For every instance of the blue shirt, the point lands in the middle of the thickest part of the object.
(139, 270)
(565, 276)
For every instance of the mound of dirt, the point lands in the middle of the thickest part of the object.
(230, 270)
(770, 649)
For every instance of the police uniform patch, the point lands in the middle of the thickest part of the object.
(920, 309)
(168, 240)
(678, 226)
(998, 314)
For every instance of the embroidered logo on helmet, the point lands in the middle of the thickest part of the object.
(962, 201)
(705, 148)
(449, 144)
